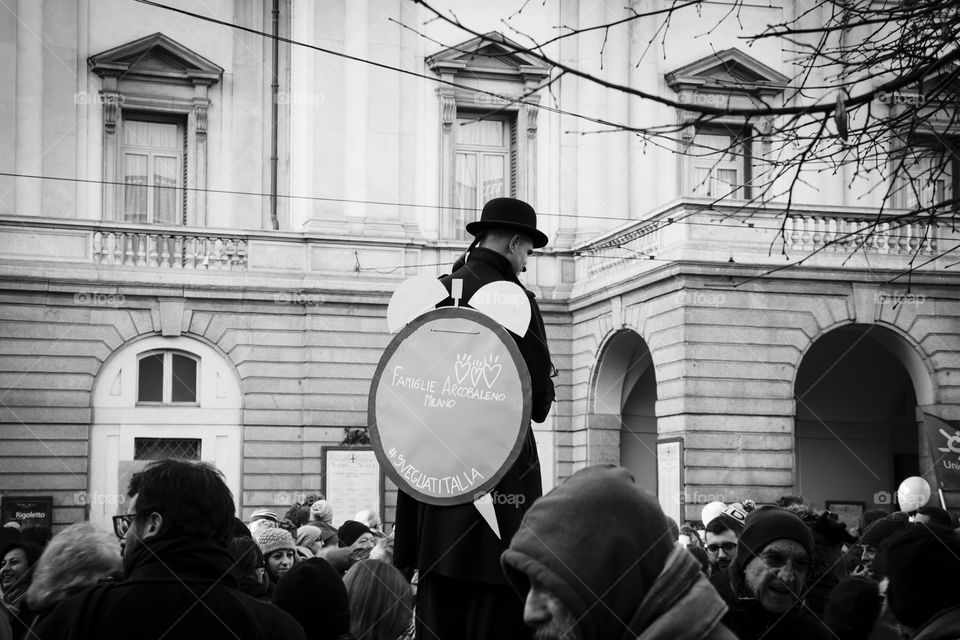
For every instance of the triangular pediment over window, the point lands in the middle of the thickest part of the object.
(729, 71)
(490, 54)
(156, 58)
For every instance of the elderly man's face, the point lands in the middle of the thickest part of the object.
(777, 575)
(550, 618)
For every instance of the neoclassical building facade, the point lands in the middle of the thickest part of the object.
(196, 257)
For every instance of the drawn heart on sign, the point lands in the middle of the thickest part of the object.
(490, 374)
(462, 368)
(475, 375)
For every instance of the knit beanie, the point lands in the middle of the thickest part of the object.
(350, 531)
(597, 542)
(275, 539)
(321, 510)
(314, 594)
(307, 535)
(734, 516)
(883, 529)
(853, 607)
(264, 514)
(923, 565)
(766, 525)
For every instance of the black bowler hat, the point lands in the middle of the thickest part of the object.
(511, 214)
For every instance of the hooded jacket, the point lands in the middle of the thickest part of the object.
(602, 546)
(176, 587)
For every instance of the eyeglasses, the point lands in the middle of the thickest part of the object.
(121, 524)
(777, 561)
(726, 546)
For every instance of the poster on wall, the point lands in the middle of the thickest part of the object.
(29, 511)
(670, 478)
(351, 481)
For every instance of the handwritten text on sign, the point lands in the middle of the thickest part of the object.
(449, 406)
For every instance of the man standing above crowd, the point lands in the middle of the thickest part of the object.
(596, 560)
(462, 593)
(180, 582)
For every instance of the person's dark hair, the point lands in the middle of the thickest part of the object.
(8, 535)
(30, 550)
(717, 527)
(937, 515)
(314, 594)
(869, 517)
(381, 600)
(191, 496)
(298, 514)
(789, 501)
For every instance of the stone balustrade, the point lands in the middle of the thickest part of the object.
(901, 236)
(185, 250)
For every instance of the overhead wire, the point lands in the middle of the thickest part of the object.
(650, 132)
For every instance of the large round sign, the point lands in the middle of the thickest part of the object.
(449, 406)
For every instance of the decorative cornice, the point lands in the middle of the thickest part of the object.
(177, 63)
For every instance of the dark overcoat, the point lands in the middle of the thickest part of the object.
(455, 541)
(176, 588)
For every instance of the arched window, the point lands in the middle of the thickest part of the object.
(167, 377)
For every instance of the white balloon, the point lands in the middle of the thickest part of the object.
(711, 510)
(914, 492)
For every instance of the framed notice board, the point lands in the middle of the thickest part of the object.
(351, 480)
(848, 511)
(670, 478)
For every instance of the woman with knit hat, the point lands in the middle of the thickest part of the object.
(321, 517)
(279, 553)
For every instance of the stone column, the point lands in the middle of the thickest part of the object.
(29, 102)
(356, 112)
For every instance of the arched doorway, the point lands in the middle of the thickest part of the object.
(161, 397)
(625, 393)
(856, 394)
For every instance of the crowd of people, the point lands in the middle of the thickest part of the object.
(595, 558)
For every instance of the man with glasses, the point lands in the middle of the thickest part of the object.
(721, 544)
(765, 582)
(180, 581)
